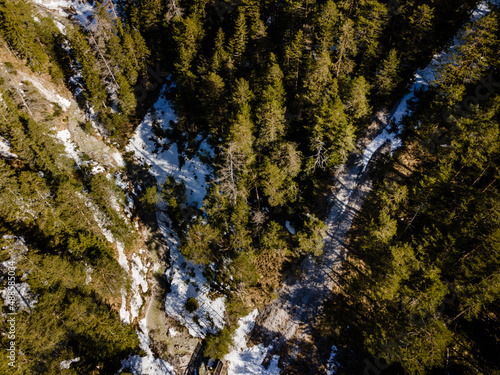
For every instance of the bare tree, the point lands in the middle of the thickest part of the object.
(320, 158)
(230, 171)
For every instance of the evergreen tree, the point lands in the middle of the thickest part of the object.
(293, 56)
(270, 112)
(387, 78)
(239, 39)
(358, 98)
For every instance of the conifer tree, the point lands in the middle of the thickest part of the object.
(358, 98)
(239, 39)
(293, 55)
(328, 20)
(346, 49)
(270, 112)
(387, 78)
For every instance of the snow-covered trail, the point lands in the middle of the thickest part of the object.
(288, 322)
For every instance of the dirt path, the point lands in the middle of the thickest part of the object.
(288, 322)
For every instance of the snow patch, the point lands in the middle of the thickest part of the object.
(117, 157)
(50, 95)
(120, 183)
(98, 169)
(65, 137)
(5, 149)
(122, 258)
(138, 273)
(386, 135)
(124, 314)
(149, 149)
(83, 9)
(172, 332)
(64, 365)
(61, 27)
(332, 366)
(249, 361)
(243, 360)
(289, 227)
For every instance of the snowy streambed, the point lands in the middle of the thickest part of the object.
(186, 279)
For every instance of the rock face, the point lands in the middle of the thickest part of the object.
(288, 323)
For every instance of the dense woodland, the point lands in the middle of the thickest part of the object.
(421, 281)
(281, 91)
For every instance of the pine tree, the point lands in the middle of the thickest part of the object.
(345, 49)
(220, 55)
(278, 173)
(358, 98)
(371, 19)
(96, 92)
(270, 112)
(188, 33)
(310, 238)
(293, 55)
(239, 39)
(421, 25)
(387, 78)
(318, 80)
(328, 20)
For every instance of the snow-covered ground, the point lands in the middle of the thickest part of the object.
(139, 280)
(243, 360)
(186, 279)
(5, 149)
(148, 149)
(64, 365)
(332, 365)
(83, 9)
(70, 147)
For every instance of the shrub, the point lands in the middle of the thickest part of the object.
(192, 305)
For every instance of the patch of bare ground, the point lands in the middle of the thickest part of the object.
(170, 340)
(409, 160)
